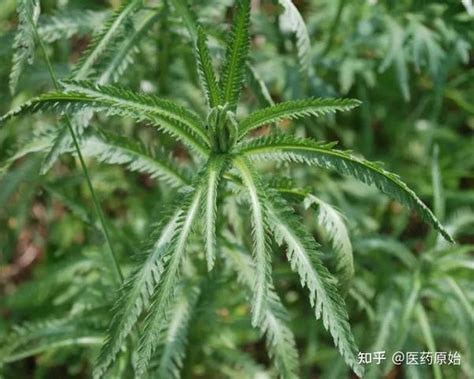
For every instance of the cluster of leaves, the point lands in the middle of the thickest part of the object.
(192, 200)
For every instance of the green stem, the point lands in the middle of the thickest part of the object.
(335, 24)
(112, 255)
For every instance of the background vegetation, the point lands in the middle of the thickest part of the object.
(410, 62)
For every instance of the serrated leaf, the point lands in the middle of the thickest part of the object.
(115, 149)
(216, 166)
(294, 109)
(83, 95)
(162, 296)
(136, 292)
(396, 55)
(261, 249)
(24, 45)
(116, 63)
(206, 71)
(274, 324)
(291, 149)
(292, 20)
(38, 144)
(179, 319)
(103, 41)
(68, 23)
(188, 16)
(37, 337)
(237, 49)
(332, 222)
(306, 261)
(258, 86)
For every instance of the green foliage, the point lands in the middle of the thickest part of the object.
(174, 346)
(66, 24)
(261, 246)
(120, 58)
(114, 149)
(286, 148)
(175, 254)
(324, 297)
(234, 223)
(24, 46)
(279, 338)
(292, 20)
(206, 71)
(237, 48)
(209, 208)
(294, 110)
(105, 38)
(332, 222)
(33, 338)
(83, 95)
(136, 291)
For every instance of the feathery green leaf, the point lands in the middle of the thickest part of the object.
(115, 96)
(292, 20)
(38, 144)
(116, 63)
(175, 254)
(280, 340)
(136, 291)
(175, 337)
(286, 148)
(82, 95)
(233, 71)
(216, 167)
(69, 23)
(103, 41)
(37, 337)
(261, 251)
(188, 16)
(258, 86)
(206, 71)
(332, 222)
(115, 149)
(295, 109)
(305, 260)
(61, 143)
(24, 45)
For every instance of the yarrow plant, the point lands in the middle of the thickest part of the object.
(226, 156)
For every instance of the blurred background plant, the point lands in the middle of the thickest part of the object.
(411, 62)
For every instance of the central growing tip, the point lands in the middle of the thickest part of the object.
(223, 128)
